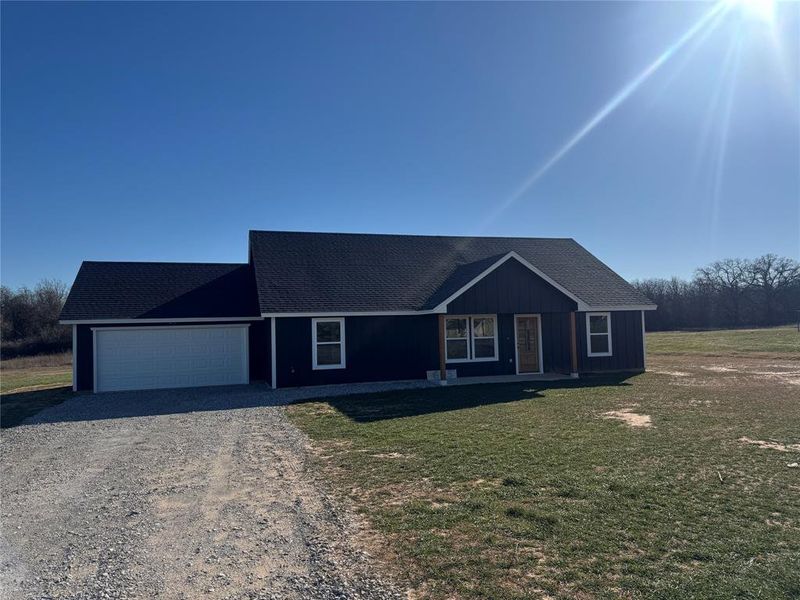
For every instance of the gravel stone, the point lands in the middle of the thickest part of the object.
(205, 492)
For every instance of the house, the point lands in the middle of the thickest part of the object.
(321, 308)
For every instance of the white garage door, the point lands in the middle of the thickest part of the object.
(143, 358)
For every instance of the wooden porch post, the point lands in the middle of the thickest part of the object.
(442, 353)
(573, 346)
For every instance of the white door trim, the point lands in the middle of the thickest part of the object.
(516, 345)
(245, 343)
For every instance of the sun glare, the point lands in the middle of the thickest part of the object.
(763, 10)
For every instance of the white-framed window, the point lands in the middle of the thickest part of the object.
(598, 333)
(470, 338)
(327, 343)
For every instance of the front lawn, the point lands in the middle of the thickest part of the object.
(531, 490)
(729, 342)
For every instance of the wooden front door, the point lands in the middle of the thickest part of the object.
(527, 344)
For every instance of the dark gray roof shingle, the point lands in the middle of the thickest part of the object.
(145, 290)
(337, 272)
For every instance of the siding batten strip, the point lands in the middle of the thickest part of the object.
(442, 353)
(573, 345)
(644, 346)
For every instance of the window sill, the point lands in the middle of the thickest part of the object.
(470, 360)
(599, 354)
(327, 367)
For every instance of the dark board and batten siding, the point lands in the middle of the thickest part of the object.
(376, 349)
(626, 339)
(511, 288)
(259, 348)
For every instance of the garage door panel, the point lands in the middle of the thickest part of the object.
(155, 358)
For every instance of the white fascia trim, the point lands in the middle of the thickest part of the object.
(380, 313)
(620, 308)
(232, 325)
(442, 307)
(182, 320)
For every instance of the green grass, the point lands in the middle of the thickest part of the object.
(726, 342)
(524, 490)
(11, 381)
(31, 384)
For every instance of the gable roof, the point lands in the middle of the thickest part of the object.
(298, 272)
(143, 291)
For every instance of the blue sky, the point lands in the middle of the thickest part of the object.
(165, 131)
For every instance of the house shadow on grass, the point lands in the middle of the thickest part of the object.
(59, 405)
(398, 404)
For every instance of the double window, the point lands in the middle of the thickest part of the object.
(598, 333)
(471, 338)
(327, 343)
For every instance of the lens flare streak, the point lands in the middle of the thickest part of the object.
(709, 19)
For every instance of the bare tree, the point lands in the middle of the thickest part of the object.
(770, 276)
(729, 278)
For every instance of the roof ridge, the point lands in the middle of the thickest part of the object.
(410, 235)
(162, 262)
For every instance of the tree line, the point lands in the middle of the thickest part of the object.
(29, 320)
(726, 293)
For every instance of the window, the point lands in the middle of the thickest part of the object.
(327, 343)
(598, 333)
(469, 339)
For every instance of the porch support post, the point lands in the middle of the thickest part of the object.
(442, 353)
(573, 346)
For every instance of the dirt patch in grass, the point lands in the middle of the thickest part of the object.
(771, 445)
(391, 455)
(626, 415)
(671, 373)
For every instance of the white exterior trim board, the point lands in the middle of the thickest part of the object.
(442, 306)
(589, 352)
(380, 313)
(341, 342)
(233, 325)
(147, 321)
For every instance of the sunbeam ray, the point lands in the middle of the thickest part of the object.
(607, 109)
(722, 146)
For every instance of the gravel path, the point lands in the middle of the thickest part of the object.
(176, 494)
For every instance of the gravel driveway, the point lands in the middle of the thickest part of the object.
(176, 494)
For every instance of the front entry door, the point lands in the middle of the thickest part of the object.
(528, 344)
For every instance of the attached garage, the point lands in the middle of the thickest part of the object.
(142, 358)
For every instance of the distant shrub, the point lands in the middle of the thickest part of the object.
(29, 320)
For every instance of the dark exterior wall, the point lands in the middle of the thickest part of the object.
(376, 349)
(258, 341)
(511, 288)
(626, 340)
(85, 358)
(505, 350)
(555, 342)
